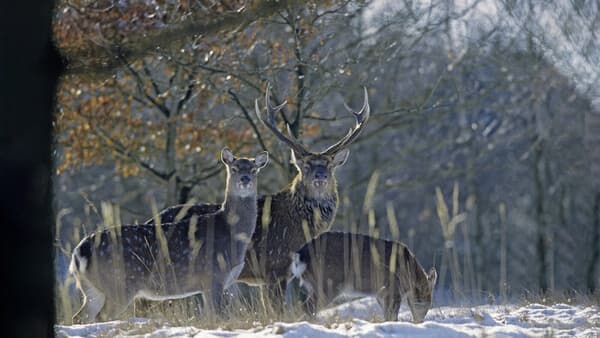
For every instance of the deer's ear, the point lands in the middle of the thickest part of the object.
(432, 277)
(261, 159)
(227, 156)
(340, 157)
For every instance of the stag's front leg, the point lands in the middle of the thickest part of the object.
(275, 294)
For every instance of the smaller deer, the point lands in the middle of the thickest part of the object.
(204, 254)
(337, 263)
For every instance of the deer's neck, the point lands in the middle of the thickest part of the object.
(240, 211)
(308, 201)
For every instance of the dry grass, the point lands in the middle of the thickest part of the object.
(248, 307)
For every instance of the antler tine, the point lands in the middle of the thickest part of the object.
(271, 123)
(362, 117)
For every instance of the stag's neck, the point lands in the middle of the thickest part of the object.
(305, 197)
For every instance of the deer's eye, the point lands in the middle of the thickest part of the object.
(253, 170)
(235, 169)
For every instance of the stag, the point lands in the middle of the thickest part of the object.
(203, 254)
(291, 217)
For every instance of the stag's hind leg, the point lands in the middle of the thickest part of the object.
(274, 296)
(93, 302)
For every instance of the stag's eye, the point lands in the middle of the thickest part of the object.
(235, 169)
(253, 170)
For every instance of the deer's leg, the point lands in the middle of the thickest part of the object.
(93, 302)
(214, 300)
(276, 295)
(310, 306)
(113, 308)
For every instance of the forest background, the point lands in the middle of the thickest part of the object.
(482, 152)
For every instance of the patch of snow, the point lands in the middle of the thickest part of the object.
(363, 318)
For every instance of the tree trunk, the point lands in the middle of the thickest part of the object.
(184, 193)
(171, 197)
(503, 284)
(30, 68)
(480, 249)
(591, 270)
(540, 217)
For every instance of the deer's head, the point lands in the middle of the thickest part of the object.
(422, 295)
(315, 169)
(241, 172)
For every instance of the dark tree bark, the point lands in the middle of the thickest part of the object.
(29, 67)
(591, 270)
(541, 246)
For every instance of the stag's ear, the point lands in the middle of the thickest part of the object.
(432, 277)
(227, 156)
(261, 159)
(340, 157)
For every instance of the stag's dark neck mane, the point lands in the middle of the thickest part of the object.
(325, 203)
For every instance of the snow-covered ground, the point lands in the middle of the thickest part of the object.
(362, 318)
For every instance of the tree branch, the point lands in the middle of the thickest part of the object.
(94, 59)
(253, 125)
(140, 86)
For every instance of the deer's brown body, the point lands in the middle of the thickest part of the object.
(336, 263)
(202, 254)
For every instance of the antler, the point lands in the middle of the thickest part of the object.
(362, 117)
(272, 124)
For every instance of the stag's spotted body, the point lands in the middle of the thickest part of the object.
(201, 254)
(338, 263)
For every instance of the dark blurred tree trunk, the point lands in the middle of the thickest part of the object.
(172, 193)
(29, 70)
(591, 270)
(184, 193)
(541, 244)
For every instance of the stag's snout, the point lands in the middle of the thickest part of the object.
(320, 178)
(320, 183)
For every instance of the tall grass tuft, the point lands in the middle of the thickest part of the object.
(449, 222)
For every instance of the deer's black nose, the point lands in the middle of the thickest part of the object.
(245, 179)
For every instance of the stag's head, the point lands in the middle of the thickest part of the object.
(315, 169)
(241, 172)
